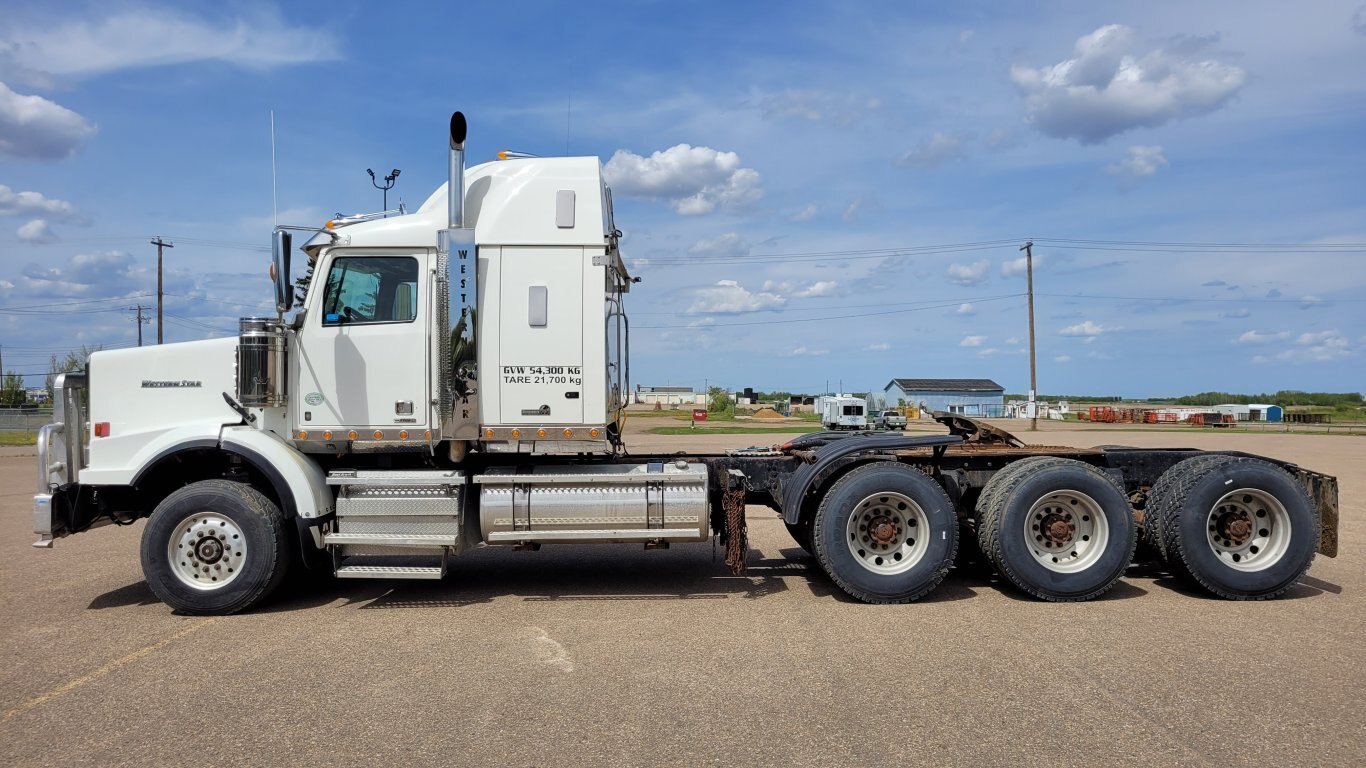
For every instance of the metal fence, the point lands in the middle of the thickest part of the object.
(24, 419)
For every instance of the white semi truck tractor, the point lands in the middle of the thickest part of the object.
(456, 377)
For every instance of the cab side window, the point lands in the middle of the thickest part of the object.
(371, 289)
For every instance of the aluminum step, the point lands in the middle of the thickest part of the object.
(434, 540)
(390, 572)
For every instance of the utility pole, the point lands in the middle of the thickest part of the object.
(140, 320)
(159, 243)
(1028, 248)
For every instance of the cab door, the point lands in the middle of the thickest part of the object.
(364, 353)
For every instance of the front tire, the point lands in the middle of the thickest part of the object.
(214, 547)
(885, 533)
(1056, 528)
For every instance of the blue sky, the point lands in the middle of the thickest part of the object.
(812, 192)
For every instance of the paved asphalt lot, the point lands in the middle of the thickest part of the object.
(580, 655)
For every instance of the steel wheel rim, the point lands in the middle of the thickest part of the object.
(207, 551)
(887, 533)
(1259, 545)
(1066, 531)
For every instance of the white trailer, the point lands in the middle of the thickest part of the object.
(843, 412)
(457, 378)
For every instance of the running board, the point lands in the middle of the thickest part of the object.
(391, 572)
(434, 540)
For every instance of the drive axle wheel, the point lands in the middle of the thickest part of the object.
(885, 533)
(1241, 528)
(1056, 528)
(214, 547)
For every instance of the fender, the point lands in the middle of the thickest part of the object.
(827, 453)
(301, 484)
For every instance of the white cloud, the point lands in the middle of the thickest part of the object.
(1108, 87)
(1139, 161)
(879, 347)
(86, 44)
(806, 214)
(32, 127)
(818, 288)
(1322, 337)
(34, 204)
(728, 296)
(1063, 359)
(694, 180)
(969, 274)
(104, 274)
(838, 108)
(1256, 337)
(966, 308)
(851, 212)
(1315, 347)
(988, 352)
(729, 244)
(1085, 328)
(932, 152)
(804, 351)
(1019, 265)
(1013, 341)
(1309, 302)
(36, 232)
(798, 291)
(972, 341)
(1236, 313)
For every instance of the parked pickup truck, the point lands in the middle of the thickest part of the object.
(890, 419)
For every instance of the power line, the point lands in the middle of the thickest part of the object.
(833, 317)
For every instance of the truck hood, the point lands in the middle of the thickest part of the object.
(145, 393)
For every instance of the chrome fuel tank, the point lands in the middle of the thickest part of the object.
(611, 503)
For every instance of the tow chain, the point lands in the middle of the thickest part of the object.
(735, 535)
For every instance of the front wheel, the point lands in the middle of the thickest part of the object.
(214, 547)
(885, 533)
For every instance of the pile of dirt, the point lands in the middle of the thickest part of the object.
(767, 413)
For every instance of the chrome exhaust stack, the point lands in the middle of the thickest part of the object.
(457, 300)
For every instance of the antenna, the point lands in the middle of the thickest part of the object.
(274, 199)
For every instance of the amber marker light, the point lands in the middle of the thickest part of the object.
(303, 435)
(327, 435)
(488, 433)
(516, 433)
(403, 434)
(593, 433)
(351, 435)
(540, 433)
(379, 435)
(569, 433)
(427, 435)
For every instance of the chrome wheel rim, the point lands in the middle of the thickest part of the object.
(207, 551)
(1248, 530)
(887, 533)
(1066, 531)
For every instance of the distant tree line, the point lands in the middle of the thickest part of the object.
(1283, 398)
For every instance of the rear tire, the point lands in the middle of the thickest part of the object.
(215, 547)
(1056, 528)
(1240, 528)
(885, 533)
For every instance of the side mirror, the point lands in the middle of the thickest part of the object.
(280, 249)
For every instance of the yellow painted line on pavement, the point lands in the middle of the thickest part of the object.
(112, 666)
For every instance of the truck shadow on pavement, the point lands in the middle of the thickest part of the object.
(686, 573)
